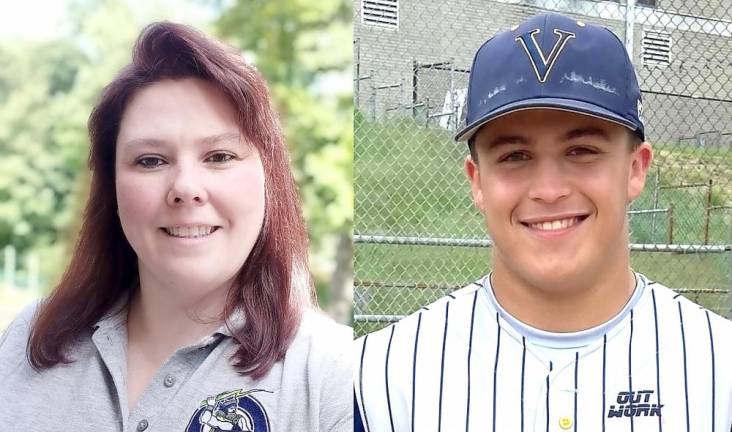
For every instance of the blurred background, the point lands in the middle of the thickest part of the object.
(55, 57)
(417, 235)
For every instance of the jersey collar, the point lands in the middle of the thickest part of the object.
(565, 340)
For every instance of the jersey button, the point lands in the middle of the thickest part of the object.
(169, 381)
(142, 425)
(565, 422)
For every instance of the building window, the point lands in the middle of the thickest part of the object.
(656, 48)
(381, 13)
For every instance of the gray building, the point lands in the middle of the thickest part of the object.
(412, 57)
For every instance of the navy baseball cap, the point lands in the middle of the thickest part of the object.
(552, 61)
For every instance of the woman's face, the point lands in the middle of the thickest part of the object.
(190, 188)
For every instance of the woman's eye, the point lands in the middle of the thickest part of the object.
(515, 157)
(149, 162)
(219, 157)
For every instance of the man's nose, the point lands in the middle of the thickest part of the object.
(549, 182)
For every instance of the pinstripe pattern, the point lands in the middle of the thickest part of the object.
(658, 361)
(386, 376)
(442, 365)
(604, 366)
(470, 351)
(360, 379)
(576, 387)
(523, 378)
(686, 379)
(414, 370)
(495, 369)
(630, 364)
(547, 397)
(432, 387)
(711, 350)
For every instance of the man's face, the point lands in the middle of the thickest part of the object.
(553, 187)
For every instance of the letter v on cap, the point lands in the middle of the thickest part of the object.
(541, 63)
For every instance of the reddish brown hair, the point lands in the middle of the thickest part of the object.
(273, 286)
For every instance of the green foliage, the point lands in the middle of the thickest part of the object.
(409, 181)
(41, 137)
(47, 90)
(304, 48)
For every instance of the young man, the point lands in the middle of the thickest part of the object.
(562, 334)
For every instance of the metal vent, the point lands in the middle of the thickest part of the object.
(656, 48)
(382, 13)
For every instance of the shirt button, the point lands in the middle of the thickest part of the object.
(142, 425)
(565, 422)
(169, 381)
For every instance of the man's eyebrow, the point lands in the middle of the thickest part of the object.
(502, 140)
(585, 132)
(580, 132)
(209, 140)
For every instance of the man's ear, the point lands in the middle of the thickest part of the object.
(640, 163)
(473, 172)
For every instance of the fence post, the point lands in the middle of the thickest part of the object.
(708, 212)
(671, 223)
(373, 96)
(655, 203)
(453, 117)
(415, 85)
(356, 91)
(401, 94)
(629, 27)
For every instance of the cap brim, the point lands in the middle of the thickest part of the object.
(570, 105)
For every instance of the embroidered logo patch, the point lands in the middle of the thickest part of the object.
(233, 411)
(635, 404)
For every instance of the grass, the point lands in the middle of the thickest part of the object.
(408, 181)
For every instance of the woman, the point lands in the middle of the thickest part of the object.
(187, 303)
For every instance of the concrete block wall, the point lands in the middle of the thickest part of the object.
(691, 95)
(716, 9)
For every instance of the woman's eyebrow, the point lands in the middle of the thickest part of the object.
(218, 138)
(208, 140)
(149, 142)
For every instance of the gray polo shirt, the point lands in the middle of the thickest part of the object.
(197, 389)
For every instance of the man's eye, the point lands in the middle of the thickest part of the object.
(515, 157)
(150, 162)
(219, 157)
(579, 151)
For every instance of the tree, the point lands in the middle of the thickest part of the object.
(303, 48)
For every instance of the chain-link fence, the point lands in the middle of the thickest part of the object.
(417, 233)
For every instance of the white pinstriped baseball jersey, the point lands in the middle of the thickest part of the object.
(464, 364)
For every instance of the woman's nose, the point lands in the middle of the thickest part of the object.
(186, 188)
